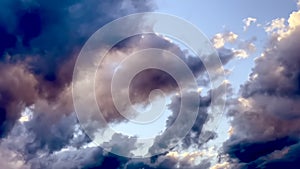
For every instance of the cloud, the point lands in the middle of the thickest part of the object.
(193, 136)
(51, 124)
(38, 51)
(278, 28)
(294, 19)
(40, 43)
(277, 25)
(240, 53)
(145, 81)
(248, 21)
(219, 39)
(243, 47)
(265, 118)
(17, 90)
(11, 159)
(224, 165)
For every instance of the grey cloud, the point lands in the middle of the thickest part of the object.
(266, 116)
(45, 38)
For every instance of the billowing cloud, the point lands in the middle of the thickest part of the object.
(38, 126)
(145, 81)
(276, 25)
(266, 116)
(40, 42)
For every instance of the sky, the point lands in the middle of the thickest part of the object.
(82, 90)
(215, 16)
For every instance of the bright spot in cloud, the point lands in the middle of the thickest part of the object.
(224, 165)
(240, 53)
(244, 102)
(230, 131)
(26, 115)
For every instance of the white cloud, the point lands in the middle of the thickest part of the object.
(294, 19)
(240, 53)
(279, 28)
(220, 39)
(275, 25)
(248, 21)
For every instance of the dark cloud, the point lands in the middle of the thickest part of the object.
(266, 116)
(193, 137)
(44, 37)
(39, 44)
(196, 136)
(248, 151)
(50, 134)
(17, 90)
(40, 41)
(149, 79)
(53, 132)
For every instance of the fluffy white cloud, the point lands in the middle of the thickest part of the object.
(220, 39)
(240, 53)
(275, 25)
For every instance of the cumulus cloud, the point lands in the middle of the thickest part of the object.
(242, 48)
(266, 116)
(220, 39)
(276, 25)
(38, 51)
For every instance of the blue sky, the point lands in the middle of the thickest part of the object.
(215, 16)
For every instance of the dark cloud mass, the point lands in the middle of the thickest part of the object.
(44, 38)
(39, 44)
(40, 41)
(266, 116)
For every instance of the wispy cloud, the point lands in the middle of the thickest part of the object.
(248, 22)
